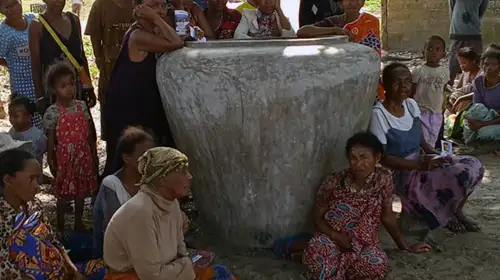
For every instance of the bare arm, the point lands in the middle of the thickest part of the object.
(203, 22)
(389, 221)
(3, 62)
(35, 32)
(85, 62)
(94, 30)
(312, 31)
(168, 40)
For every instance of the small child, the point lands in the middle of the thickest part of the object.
(21, 111)
(429, 82)
(461, 95)
(71, 148)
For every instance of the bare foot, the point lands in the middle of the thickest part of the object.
(468, 223)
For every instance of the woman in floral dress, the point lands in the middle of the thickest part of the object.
(28, 247)
(350, 206)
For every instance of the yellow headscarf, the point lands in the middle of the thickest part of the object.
(158, 162)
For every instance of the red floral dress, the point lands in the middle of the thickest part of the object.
(358, 214)
(76, 174)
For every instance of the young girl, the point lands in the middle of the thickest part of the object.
(21, 111)
(14, 50)
(71, 149)
(461, 97)
(429, 81)
(267, 21)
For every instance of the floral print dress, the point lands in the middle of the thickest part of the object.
(76, 174)
(357, 214)
(29, 249)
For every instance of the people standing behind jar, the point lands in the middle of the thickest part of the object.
(267, 21)
(71, 148)
(54, 31)
(15, 52)
(222, 20)
(107, 23)
(133, 98)
(429, 81)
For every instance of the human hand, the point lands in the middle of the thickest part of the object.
(146, 13)
(475, 124)
(419, 248)
(427, 163)
(343, 240)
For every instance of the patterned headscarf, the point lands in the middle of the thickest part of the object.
(159, 162)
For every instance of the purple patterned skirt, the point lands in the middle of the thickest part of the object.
(435, 195)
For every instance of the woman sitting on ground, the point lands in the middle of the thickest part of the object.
(222, 20)
(144, 239)
(483, 119)
(118, 188)
(26, 236)
(267, 21)
(432, 188)
(350, 206)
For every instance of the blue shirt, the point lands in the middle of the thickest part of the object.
(37, 139)
(466, 16)
(15, 50)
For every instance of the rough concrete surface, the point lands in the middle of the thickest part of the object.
(262, 123)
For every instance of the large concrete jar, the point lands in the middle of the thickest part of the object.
(263, 122)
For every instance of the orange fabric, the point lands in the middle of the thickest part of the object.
(366, 29)
(204, 273)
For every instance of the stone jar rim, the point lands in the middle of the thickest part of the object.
(268, 42)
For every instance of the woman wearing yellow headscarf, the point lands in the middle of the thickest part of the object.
(144, 239)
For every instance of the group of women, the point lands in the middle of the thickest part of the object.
(144, 239)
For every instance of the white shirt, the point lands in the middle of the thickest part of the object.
(430, 86)
(382, 120)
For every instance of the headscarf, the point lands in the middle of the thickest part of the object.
(159, 162)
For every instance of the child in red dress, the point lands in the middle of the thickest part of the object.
(71, 145)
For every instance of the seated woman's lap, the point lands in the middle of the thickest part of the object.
(324, 257)
(435, 195)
